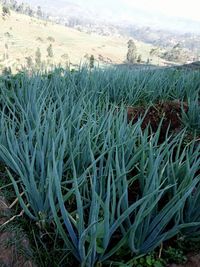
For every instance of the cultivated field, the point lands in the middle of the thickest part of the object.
(105, 164)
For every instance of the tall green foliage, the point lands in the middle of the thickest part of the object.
(104, 182)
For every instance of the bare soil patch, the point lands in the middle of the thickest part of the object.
(169, 111)
(13, 247)
(193, 261)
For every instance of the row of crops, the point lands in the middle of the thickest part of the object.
(106, 184)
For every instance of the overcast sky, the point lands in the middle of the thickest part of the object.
(181, 15)
(189, 9)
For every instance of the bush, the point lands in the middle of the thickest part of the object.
(50, 51)
(5, 10)
(39, 39)
(51, 39)
(38, 57)
(91, 62)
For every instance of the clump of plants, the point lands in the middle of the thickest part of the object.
(78, 165)
(175, 255)
(150, 260)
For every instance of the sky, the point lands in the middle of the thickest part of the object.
(179, 15)
(187, 9)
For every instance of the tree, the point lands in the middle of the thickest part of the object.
(175, 54)
(91, 62)
(132, 52)
(39, 12)
(154, 51)
(38, 57)
(20, 8)
(50, 51)
(29, 11)
(139, 59)
(13, 4)
(7, 71)
(6, 11)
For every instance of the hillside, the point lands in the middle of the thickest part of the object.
(20, 35)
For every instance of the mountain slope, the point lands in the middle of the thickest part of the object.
(20, 35)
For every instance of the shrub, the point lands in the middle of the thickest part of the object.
(5, 10)
(51, 39)
(38, 57)
(50, 51)
(91, 62)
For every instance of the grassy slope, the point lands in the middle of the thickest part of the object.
(25, 30)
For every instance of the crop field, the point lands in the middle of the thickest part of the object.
(107, 160)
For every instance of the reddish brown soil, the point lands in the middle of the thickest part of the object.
(169, 111)
(10, 254)
(193, 261)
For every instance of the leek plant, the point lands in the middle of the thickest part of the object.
(191, 118)
(105, 183)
